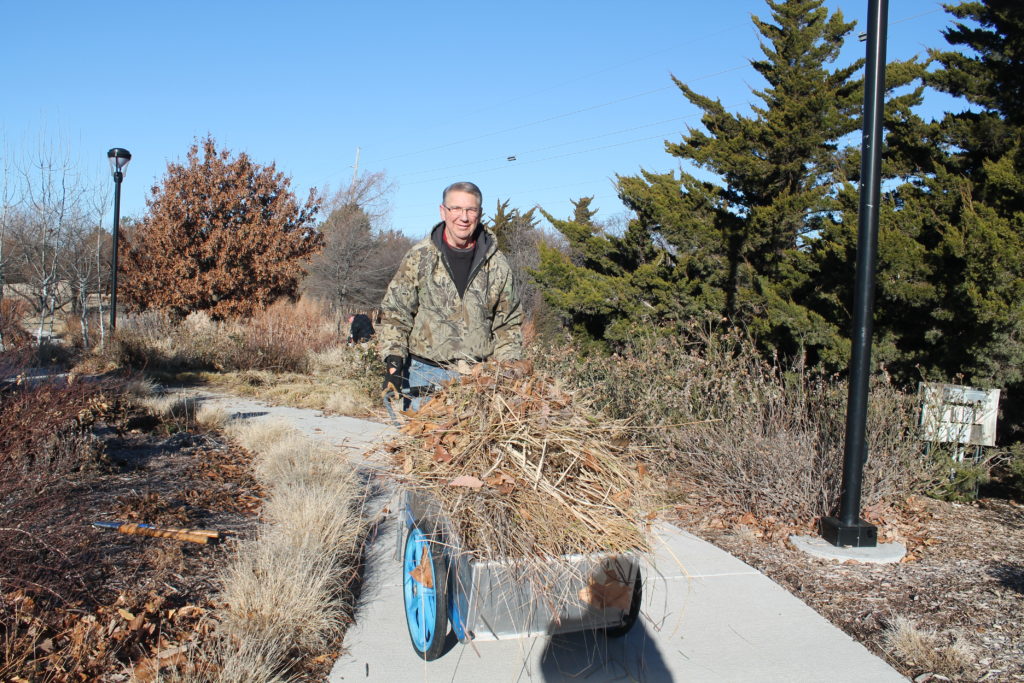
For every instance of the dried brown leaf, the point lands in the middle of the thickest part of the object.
(423, 573)
(467, 480)
(441, 453)
(611, 593)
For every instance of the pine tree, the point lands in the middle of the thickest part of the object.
(223, 235)
(602, 286)
(985, 144)
(735, 247)
(965, 212)
(518, 239)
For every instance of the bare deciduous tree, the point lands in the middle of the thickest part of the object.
(359, 259)
(56, 208)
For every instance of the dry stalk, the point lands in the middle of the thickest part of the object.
(525, 469)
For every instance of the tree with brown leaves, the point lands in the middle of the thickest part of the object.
(223, 235)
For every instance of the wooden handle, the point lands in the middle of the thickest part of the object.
(176, 534)
(201, 532)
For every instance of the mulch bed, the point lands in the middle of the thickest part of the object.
(91, 604)
(963, 576)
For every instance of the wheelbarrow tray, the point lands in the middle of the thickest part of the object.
(512, 598)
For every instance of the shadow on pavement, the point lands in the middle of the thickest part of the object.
(594, 657)
(246, 416)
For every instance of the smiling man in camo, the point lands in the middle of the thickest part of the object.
(452, 301)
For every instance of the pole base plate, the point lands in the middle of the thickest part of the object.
(859, 535)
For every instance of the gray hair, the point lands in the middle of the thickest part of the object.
(464, 186)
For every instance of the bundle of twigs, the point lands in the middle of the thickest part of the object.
(523, 469)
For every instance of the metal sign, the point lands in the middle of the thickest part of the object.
(951, 413)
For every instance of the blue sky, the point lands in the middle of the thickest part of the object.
(431, 93)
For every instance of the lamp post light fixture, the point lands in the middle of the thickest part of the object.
(118, 159)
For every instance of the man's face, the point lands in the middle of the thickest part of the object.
(460, 213)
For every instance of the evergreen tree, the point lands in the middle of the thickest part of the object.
(965, 212)
(736, 247)
(518, 239)
(357, 262)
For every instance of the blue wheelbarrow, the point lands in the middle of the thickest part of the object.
(502, 599)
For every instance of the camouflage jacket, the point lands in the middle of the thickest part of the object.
(424, 315)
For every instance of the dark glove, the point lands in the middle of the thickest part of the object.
(393, 373)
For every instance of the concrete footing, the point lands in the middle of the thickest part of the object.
(883, 553)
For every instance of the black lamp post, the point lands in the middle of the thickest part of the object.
(118, 159)
(848, 529)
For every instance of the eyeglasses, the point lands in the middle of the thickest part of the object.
(469, 211)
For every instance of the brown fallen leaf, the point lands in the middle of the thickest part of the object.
(137, 623)
(125, 614)
(499, 479)
(423, 573)
(441, 453)
(620, 497)
(611, 593)
(590, 461)
(467, 480)
(503, 482)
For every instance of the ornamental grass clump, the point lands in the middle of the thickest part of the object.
(523, 468)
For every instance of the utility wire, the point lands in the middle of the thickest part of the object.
(505, 101)
(605, 104)
(505, 166)
(541, 149)
(560, 116)
(916, 16)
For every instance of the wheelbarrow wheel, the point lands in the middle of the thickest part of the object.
(630, 617)
(425, 582)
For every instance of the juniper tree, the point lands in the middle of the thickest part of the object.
(965, 211)
(734, 246)
(518, 238)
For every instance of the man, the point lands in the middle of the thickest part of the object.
(360, 328)
(452, 301)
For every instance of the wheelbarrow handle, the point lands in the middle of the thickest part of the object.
(390, 394)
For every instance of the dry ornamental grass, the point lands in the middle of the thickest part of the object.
(524, 469)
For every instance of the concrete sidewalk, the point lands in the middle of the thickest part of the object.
(706, 616)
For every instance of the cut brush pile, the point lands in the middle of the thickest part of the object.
(523, 469)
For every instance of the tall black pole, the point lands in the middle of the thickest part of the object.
(849, 529)
(118, 177)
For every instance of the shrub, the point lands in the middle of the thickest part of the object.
(929, 651)
(751, 433)
(12, 314)
(280, 337)
(45, 438)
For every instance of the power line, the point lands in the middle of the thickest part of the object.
(534, 93)
(559, 116)
(916, 16)
(568, 154)
(541, 149)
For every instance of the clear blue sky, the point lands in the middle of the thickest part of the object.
(431, 92)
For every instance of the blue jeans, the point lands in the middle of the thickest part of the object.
(423, 375)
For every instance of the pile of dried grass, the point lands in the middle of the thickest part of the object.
(524, 468)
